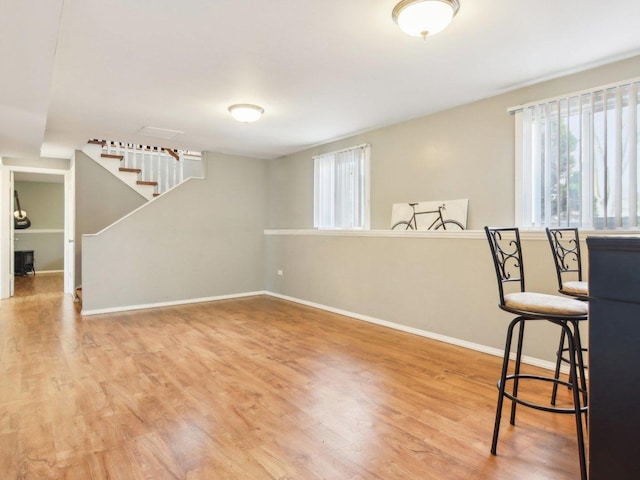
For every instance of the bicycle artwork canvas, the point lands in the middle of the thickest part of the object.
(450, 215)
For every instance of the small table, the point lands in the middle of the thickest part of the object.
(23, 262)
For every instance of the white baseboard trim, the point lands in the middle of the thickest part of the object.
(100, 311)
(423, 333)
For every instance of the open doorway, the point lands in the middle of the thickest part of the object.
(47, 197)
(38, 239)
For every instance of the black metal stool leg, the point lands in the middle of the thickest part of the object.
(576, 400)
(516, 373)
(501, 383)
(580, 362)
(554, 392)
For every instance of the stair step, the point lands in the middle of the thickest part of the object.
(97, 142)
(142, 182)
(157, 194)
(109, 155)
(132, 170)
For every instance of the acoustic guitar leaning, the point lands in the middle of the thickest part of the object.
(20, 219)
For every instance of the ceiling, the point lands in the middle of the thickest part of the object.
(321, 69)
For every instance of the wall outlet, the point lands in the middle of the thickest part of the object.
(280, 273)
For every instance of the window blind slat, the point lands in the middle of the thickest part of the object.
(617, 163)
(339, 188)
(633, 155)
(546, 165)
(580, 159)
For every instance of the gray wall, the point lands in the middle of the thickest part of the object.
(101, 199)
(202, 239)
(444, 286)
(44, 204)
(48, 249)
(192, 168)
(465, 152)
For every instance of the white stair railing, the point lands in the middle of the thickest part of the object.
(156, 164)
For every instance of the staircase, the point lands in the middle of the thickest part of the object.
(148, 170)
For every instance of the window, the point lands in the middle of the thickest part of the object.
(341, 189)
(577, 159)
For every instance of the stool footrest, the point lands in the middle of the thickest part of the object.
(537, 406)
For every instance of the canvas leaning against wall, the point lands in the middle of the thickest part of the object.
(430, 215)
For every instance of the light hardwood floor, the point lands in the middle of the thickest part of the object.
(29, 285)
(255, 388)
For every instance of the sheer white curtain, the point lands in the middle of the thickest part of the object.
(341, 189)
(579, 159)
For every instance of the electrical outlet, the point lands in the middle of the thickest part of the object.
(280, 273)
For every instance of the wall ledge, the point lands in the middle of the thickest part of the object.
(467, 234)
(464, 235)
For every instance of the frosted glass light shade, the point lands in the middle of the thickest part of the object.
(246, 113)
(421, 18)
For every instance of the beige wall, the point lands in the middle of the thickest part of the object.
(465, 152)
(48, 249)
(44, 204)
(441, 286)
(202, 239)
(101, 199)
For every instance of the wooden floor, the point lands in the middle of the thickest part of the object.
(256, 388)
(39, 283)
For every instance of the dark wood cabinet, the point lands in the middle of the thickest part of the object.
(23, 262)
(614, 358)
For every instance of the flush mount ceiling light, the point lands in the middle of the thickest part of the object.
(246, 113)
(422, 18)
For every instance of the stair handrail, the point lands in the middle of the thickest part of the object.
(162, 165)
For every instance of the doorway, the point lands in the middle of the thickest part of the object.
(38, 239)
(49, 194)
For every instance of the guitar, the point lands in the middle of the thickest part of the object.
(20, 220)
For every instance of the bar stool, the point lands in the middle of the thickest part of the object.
(567, 313)
(565, 249)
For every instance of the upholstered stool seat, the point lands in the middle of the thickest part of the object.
(575, 289)
(544, 304)
(563, 312)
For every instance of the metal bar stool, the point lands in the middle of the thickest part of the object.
(565, 249)
(565, 312)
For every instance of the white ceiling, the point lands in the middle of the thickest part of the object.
(322, 69)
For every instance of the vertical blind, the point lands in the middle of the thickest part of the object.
(340, 189)
(580, 159)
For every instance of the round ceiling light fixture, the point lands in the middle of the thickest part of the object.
(422, 18)
(245, 112)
